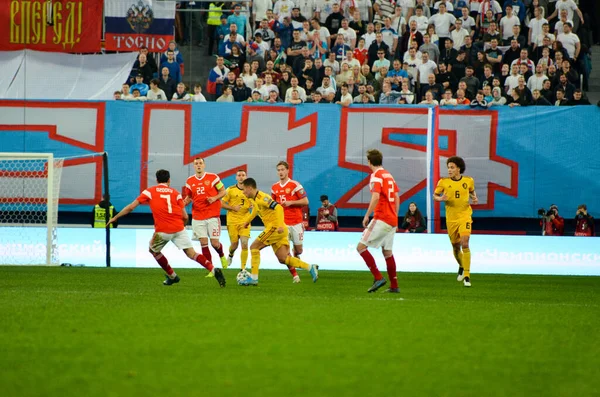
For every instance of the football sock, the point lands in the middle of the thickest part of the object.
(220, 250)
(295, 262)
(391, 271)
(458, 254)
(244, 257)
(201, 259)
(164, 263)
(466, 260)
(231, 252)
(206, 252)
(255, 261)
(370, 261)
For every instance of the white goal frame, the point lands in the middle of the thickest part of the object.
(51, 201)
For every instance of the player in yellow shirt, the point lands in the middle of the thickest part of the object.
(274, 235)
(238, 207)
(455, 191)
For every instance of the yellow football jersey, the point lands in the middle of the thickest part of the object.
(457, 206)
(235, 196)
(269, 211)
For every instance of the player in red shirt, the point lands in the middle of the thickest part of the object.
(170, 218)
(205, 191)
(381, 229)
(291, 196)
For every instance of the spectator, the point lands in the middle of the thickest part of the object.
(359, 26)
(117, 95)
(327, 219)
(181, 95)
(568, 88)
(397, 74)
(584, 222)
(539, 99)
(426, 68)
(256, 97)
(345, 97)
(166, 83)
(479, 102)
(173, 66)
(376, 47)
(497, 98)
(141, 67)
(216, 77)
(420, 19)
(535, 25)
(448, 100)
(448, 54)
(508, 21)
(413, 221)
(295, 98)
(236, 59)
(198, 97)
(512, 53)
(149, 59)
(447, 79)
(155, 93)
(429, 100)
(140, 85)
(348, 34)
(406, 94)
(240, 92)
(215, 11)
(125, 92)
(332, 62)
(559, 94)
(524, 60)
(494, 56)
(382, 9)
(273, 97)
(222, 33)
(238, 19)
(536, 82)
(578, 99)
(334, 21)
(552, 223)
(248, 76)
(458, 35)
(232, 39)
(227, 95)
(569, 6)
(362, 92)
(343, 76)
(461, 99)
(137, 96)
(177, 57)
(387, 95)
(571, 73)
(269, 86)
(443, 22)
(431, 49)
(432, 86)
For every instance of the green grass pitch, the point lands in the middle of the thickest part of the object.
(120, 332)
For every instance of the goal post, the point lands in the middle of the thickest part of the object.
(29, 194)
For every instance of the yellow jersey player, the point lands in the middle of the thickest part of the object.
(275, 233)
(455, 191)
(237, 206)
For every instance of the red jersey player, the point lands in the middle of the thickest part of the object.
(170, 218)
(205, 191)
(291, 196)
(381, 229)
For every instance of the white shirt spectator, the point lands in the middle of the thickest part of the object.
(389, 35)
(425, 69)
(418, 55)
(283, 8)
(369, 39)
(569, 41)
(387, 10)
(558, 26)
(506, 24)
(325, 8)
(349, 36)
(451, 101)
(449, 6)
(249, 81)
(326, 91)
(398, 23)
(354, 62)
(474, 6)
(198, 98)
(422, 23)
(511, 82)
(413, 64)
(468, 23)
(324, 34)
(307, 8)
(301, 94)
(442, 23)
(458, 37)
(495, 7)
(568, 5)
(346, 98)
(269, 88)
(335, 65)
(260, 7)
(536, 83)
(363, 7)
(159, 95)
(535, 26)
(127, 97)
(540, 39)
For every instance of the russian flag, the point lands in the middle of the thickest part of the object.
(131, 24)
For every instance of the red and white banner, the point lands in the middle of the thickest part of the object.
(51, 25)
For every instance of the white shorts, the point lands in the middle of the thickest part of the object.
(296, 233)
(207, 228)
(379, 234)
(180, 239)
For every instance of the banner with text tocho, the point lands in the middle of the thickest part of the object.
(51, 25)
(131, 24)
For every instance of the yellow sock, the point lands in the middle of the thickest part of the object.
(297, 263)
(244, 257)
(458, 254)
(255, 260)
(466, 261)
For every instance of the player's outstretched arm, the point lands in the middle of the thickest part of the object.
(252, 212)
(124, 211)
(473, 197)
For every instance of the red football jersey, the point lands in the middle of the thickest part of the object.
(289, 191)
(166, 205)
(383, 182)
(200, 189)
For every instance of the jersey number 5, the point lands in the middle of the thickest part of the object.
(168, 198)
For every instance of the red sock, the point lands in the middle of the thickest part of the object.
(163, 262)
(201, 259)
(370, 261)
(292, 270)
(206, 252)
(220, 250)
(391, 271)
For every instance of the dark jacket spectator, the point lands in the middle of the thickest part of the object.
(413, 221)
(167, 84)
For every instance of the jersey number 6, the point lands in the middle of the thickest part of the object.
(457, 194)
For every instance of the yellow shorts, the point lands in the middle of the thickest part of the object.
(458, 228)
(237, 231)
(275, 240)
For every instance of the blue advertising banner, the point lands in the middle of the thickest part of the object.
(521, 158)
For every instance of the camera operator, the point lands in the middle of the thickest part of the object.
(584, 222)
(327, 219)
(552, 223)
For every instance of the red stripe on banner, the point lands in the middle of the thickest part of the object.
(67, 26)
(132, 42)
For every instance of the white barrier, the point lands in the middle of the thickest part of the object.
(336, 251)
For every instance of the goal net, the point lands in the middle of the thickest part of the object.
(29, 193)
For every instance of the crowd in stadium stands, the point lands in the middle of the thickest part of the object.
(481, 53)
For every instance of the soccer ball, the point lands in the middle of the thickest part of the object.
(242, 276)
